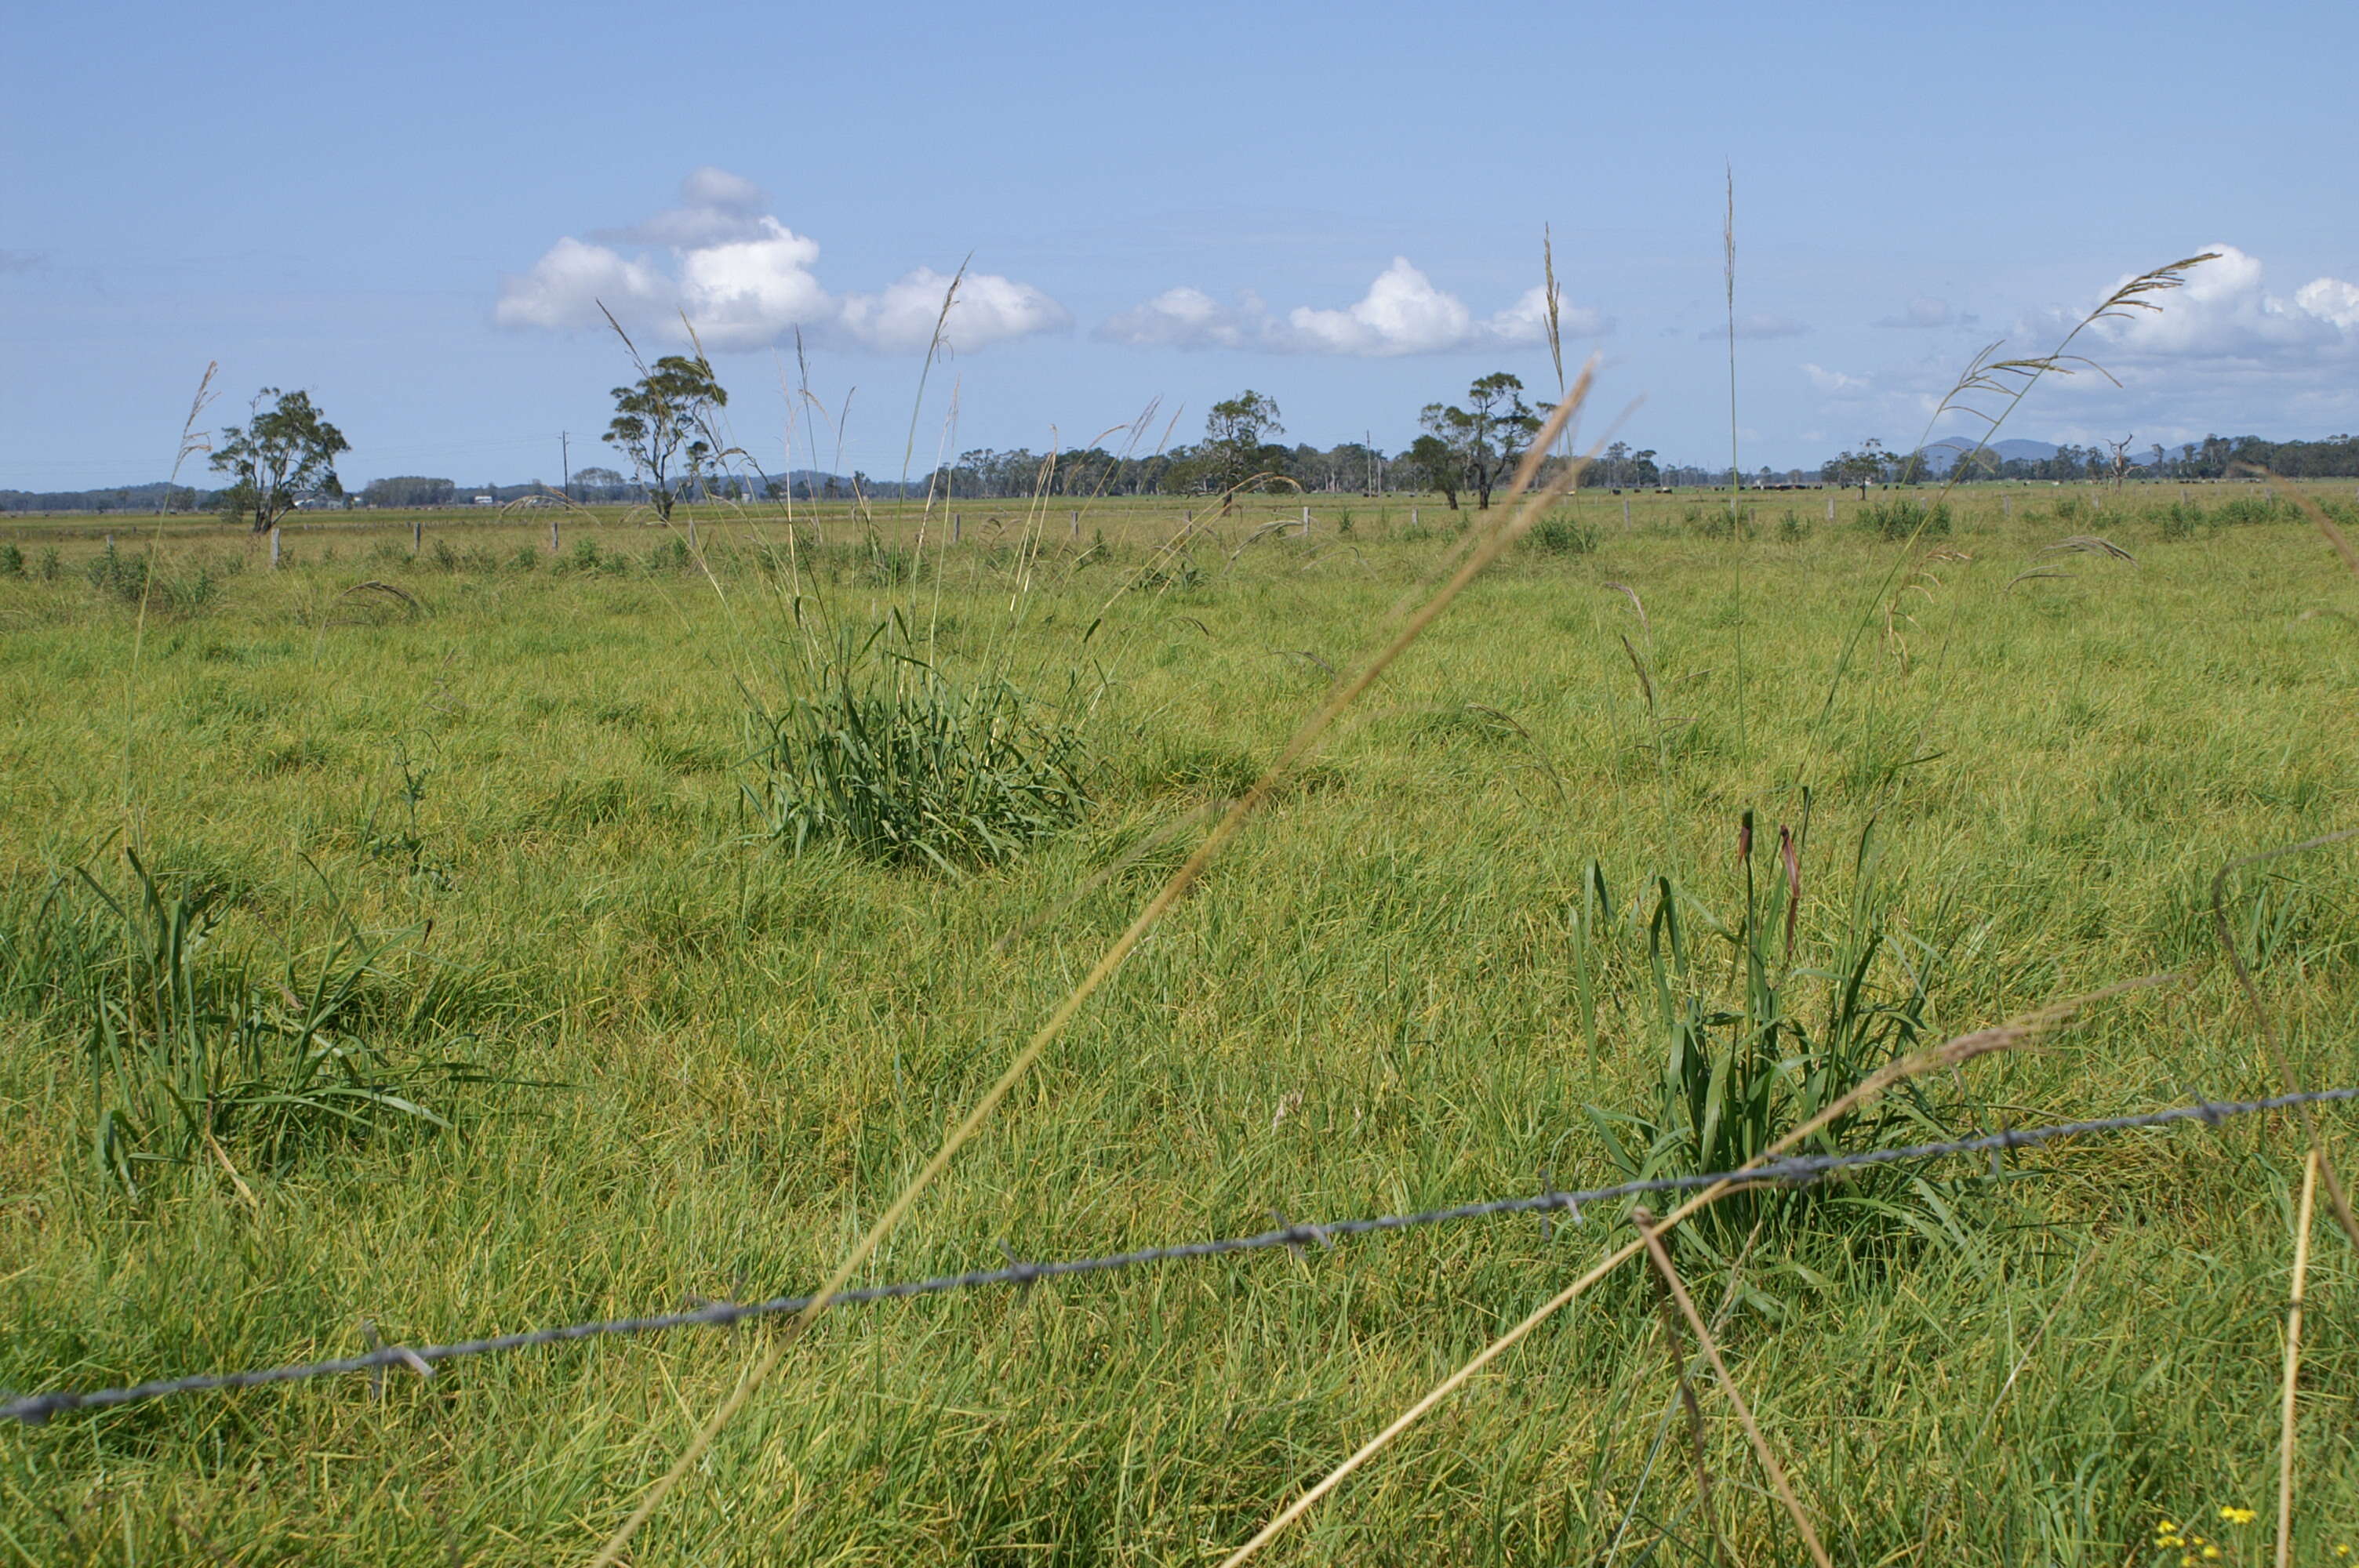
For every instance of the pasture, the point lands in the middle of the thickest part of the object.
(511, 810)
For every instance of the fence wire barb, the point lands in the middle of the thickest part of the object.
(1796, 1169)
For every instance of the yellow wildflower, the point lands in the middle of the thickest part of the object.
(2210, 1551)
(2236, 1515)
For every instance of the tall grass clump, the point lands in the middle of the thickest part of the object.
(134, 578)
(2249, 511)
(1562, 535)
(1905, 518)
(191, 1055)
(2180, 520)
(1754, 1044)
(887, 752)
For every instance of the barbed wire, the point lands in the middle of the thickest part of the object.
(1796, 1170)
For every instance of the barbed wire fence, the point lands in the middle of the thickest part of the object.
(1799, 1169)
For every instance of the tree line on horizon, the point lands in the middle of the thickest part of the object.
(666, 432)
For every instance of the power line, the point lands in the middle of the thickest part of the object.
(1793, 1171)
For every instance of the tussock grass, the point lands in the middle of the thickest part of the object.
(901, 761)
(189, 1054)
(1905, 518)
(1562, 535)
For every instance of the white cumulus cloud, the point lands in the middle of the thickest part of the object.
(565, 286)
(2331, 299)
(2226, 311)
(1186, 318)
(1403, 313)
(1525, 322)
(988, 309)
(744, 280)
(744, 294)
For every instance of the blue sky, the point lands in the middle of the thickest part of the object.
(409, 210)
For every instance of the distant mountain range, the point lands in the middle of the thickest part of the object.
(1942, 454)
(1946, 451)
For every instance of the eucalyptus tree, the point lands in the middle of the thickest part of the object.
(283, 453)
(1488, 436)
(664, 425)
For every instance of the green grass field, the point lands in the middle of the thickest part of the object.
(528, 778)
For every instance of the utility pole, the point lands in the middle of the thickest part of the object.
(565, 459)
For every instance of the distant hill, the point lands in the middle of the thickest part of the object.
(1949, 448)
(1942, 453)
(146, 498)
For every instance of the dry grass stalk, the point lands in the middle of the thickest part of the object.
(2293, 1359)
(1635, 603)
(1728, 280)
(1921, 582)
(1649, 1233)
(1685, 1394)
(934, 347)
(2011, 381)
(1555, 322)
(1493, 546)
(2016, 1031)
(2091, 545)
(1687, 1399)
(238, 1182)
(1555, 326)
(192, 441)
